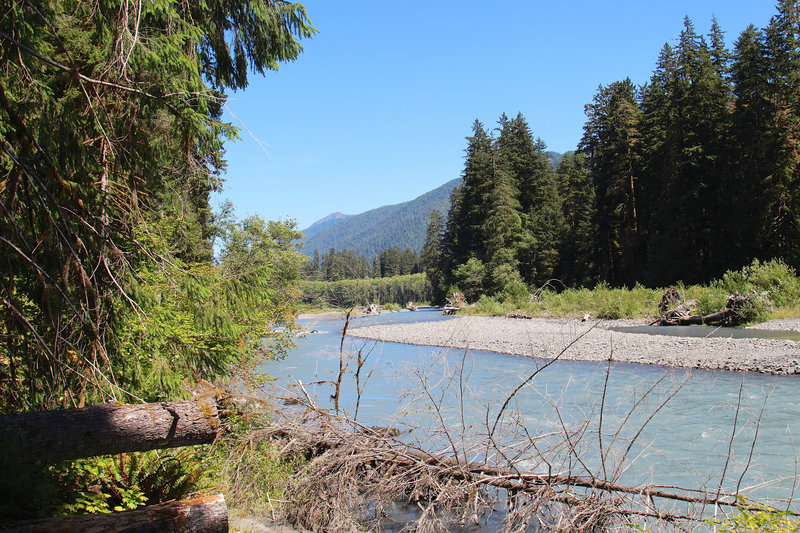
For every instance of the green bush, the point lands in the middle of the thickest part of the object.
(488, 305)
(346, 293)
(774, 277)
(711, 299)
(127, 481)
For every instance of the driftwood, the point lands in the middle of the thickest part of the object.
(371, 310)
(200, 515)
(355, 467)
(51, 436)
(670, 300)
(681, 315)
(456, 302)
(518, 315)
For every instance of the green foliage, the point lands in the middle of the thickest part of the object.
(711, 299)
(126, 481)
(487, 305)
(112, 141)
(432, 254)
(99, 484)
(470, 278)
(756, 518)
(252, 470)
(759, 281)
(347, 293)
(775, 278)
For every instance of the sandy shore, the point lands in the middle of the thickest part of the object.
(547, 337)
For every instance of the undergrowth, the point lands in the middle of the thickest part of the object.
(100, 484)
(773, 287)
(252, 471)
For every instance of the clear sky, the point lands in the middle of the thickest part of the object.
(376, 110)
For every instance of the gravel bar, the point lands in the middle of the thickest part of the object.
(593, 341)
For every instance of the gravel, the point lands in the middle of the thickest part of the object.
(593, 341)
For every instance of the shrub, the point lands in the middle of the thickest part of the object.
(775, 277)
(488, 305)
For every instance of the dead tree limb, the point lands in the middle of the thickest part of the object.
(51, 436)
(201, 515)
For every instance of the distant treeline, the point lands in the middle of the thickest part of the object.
(337, 265)
(348, 292)
(695, 173)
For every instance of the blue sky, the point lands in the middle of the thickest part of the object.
(376, 110)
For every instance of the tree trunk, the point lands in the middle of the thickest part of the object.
(51, 436)
(201, 515)
(712, 318)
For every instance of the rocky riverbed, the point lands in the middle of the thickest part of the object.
(592, 340)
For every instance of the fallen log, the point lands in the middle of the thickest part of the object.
(720, 317)
(51, 436)
(735, 313)
(201, 515)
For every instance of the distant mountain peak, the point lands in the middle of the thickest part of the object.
(323, 223)
(333, 216)
(401, 225)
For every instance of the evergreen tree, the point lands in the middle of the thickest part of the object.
(112, 139)
(754, 146)
(470, 211)
(531, 173)
(685, 128)
(432, 254)
(578, 251)
(611, 142)
(782, 48)
(501, 230)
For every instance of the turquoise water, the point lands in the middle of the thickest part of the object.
(678, 433)
(712, 331)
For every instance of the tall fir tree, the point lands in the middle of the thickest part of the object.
(754, 148)
(578, 252)
(432, 255)
(611, 143)
(782, 48)
(685, 127)
(470, 210)
(531, 173)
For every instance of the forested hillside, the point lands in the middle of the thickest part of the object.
(367, 234)
(695, 173)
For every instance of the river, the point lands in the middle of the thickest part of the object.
(681, 430)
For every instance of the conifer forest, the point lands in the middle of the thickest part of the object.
(692, 174)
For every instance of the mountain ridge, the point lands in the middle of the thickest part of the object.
(401, 225)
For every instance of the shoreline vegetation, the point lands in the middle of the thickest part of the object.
(555, 323)
(593, 340)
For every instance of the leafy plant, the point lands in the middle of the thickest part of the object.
(757, 518)
(127, 481)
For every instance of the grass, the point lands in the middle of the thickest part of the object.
(773, 286)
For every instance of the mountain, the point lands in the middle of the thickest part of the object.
(402, 225)
(555, 158)
(323, 223)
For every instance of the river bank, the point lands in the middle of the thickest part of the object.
(594, 341)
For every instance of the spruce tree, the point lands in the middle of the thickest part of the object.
(432, 254)
(611, 143)
(531, 172)
(578, 252)
(782, 47)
